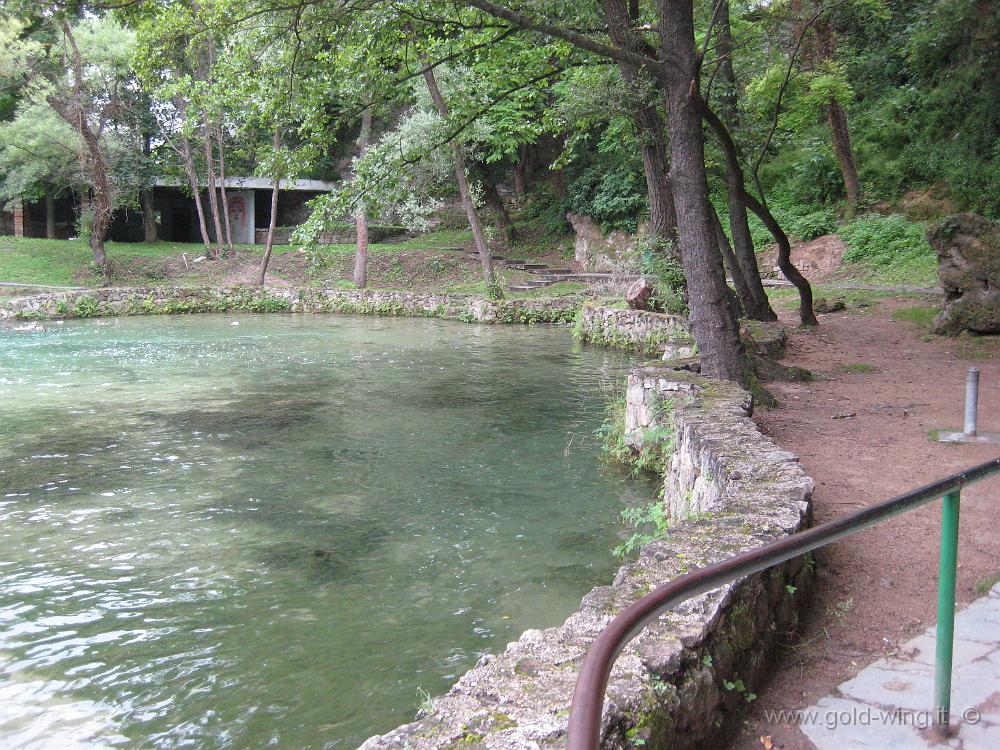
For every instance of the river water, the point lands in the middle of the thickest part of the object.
(281, 533)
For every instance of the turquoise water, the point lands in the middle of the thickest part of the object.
(278, 533)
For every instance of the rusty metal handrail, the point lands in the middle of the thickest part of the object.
(588, 698)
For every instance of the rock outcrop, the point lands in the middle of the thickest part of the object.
(595, 251)
(968, 251)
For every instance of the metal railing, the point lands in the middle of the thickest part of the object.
(588, 698)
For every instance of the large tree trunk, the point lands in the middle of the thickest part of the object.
(213, 197)
(148, 216)
(463, 190)
(50, 213)
(712, 322)
(649, 126)
(192, 175)
(217, 131)
(360, 213)
(836, 116)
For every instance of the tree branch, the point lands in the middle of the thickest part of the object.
(576, 39)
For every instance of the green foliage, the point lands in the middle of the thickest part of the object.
(547, 211)
(812, 225)
(657, 259)
(86, 307)
(738, 686)
(814, 177)
(611, 192)
(612, 432)
(888, 247)
(651, 523)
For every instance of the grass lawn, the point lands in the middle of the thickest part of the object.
(34, 261)
(56, 262)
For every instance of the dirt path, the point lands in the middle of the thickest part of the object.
(864, 436)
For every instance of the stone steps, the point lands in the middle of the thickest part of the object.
(545, 275)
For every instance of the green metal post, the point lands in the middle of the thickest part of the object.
(946, 610)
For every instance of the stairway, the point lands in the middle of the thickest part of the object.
(546, 276)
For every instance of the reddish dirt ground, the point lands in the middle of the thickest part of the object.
(863, 437)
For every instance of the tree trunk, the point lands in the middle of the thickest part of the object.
(463, 190)
(50, 213)
(806, 314)
(836, 116)
(756, 306)
(270, 232)
(217, 131)
(817, 49)
(729, 259)
(73, 114)
(148, 216)
(496, 206)
(653, 147)
(728, 97)
(192, 175)
(712, 322)
(213, 198)
(146, 197)
(521, 170)
(648, 124)
(273, 222)
(361, 214)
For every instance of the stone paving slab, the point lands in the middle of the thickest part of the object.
(889, 705)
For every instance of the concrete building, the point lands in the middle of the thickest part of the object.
(176, 216)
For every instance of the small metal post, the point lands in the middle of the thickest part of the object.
(946, 611)
(971, 401)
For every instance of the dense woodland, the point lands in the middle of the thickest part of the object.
(719, 127)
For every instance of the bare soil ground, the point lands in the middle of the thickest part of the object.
(864, 431)
(820, 259)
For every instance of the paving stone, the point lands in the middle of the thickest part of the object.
(888, 704)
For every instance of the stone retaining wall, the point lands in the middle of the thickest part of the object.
(636, 330)
(164, 300)
(684, 681)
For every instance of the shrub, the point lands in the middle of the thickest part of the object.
(86, 307)
(656, 259)
(891, 247)
(813, 225)
(614, 195)
(816, 177)
(546, 210)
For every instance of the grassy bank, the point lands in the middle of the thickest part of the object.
(68, 262)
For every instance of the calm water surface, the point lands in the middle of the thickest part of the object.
(275, 534)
